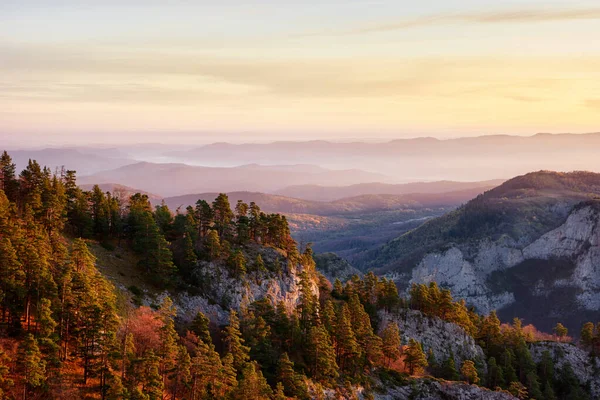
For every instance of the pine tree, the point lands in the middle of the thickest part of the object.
(222, 214)
(279, 393)
(213, 245)
(5, 382)
(347, 349)
(233, 342)
(414, 357)
(369, 343)
(180, 377)
(116, 390)
(30, 364)
(560, 331)
(190, 259)
(292, 383)
(469, 372)
(307, 304)
(338, 289)
(252, 385)
(495, 375)
(518, 390)
(259, 264)
(237, 263)
(200, 326)
(153, 382)
(391, 342)
(46, 324)
(8, 181)
(449, 368)
(587, 334)
(321, 355)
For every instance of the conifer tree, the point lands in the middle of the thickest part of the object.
(153, 382)
(449, 368)
(414, 357)
(222, 214)
(30, 364)
(237, 263)
(391, 343)
(5, 382)
(469, 372)
(234, 344)
(347, 349)
(8, 181)
(279, 393)
(200, 326)
(213, 245)
(321, 355)
(292, 383)
(587, 334)
(495, 375)
(252, 385)
(116, 390)
(46, 324)
(560, 331)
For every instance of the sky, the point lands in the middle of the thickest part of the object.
(132, 71)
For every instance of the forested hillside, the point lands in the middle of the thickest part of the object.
(66, 332)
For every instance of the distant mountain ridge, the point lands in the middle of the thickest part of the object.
(331, 193)
(419, 159)
(365, 203)
(84, 162)
(172, 179)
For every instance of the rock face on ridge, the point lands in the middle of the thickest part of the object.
(562, 264)
(585, 367)
(428, 389)
(222, 292)
(433, 333)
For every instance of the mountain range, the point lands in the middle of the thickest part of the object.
(419, 159)
(179, 179)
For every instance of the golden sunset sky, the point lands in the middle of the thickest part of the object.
(126, 71)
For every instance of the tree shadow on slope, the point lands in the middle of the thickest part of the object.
(538, 299)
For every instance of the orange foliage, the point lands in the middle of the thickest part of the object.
(145, 326)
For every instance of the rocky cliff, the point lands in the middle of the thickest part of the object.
(433, 333)
(563, 264)
(221, 291)
(585, 367)
(430, 389)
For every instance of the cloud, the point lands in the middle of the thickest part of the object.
(491, 17)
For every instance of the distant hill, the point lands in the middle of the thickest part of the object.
(84, 162)
(532, 238)
(353, 205)
(419, 159)
(330, 193)
(178, 179)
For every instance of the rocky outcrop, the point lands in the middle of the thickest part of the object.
(585, 367)
(430, 389)
(466, 269)
(433, 333)
(221, 291)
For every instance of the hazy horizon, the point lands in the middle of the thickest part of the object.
(198, 72)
